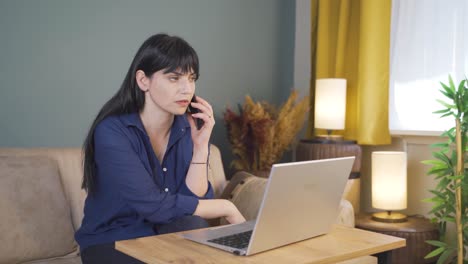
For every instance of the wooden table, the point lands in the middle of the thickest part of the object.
(342, 243)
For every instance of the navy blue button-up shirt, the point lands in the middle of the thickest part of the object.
(134, 190)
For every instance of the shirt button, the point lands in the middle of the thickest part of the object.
(166, 190)
(182, 130)
(164, 169)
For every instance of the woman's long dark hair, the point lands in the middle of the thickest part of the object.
(157, 53)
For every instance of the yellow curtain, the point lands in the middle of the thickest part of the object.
(351, 40)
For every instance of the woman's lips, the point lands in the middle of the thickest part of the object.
(184, 103)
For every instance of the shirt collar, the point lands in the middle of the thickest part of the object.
(180, 121)
(133, 119)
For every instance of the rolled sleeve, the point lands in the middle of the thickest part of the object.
(119, 167)
(187, 204)
(208, 195)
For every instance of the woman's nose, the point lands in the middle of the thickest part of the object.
(187, 86)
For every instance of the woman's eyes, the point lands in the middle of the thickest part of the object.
(176, 78)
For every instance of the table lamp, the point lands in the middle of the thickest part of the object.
(389, 191)
(330, 114)
(330, 106)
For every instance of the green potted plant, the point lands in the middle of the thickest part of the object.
(450, 198)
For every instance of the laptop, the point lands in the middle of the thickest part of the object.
(301, 201)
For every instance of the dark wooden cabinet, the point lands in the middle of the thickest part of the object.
(416, 231)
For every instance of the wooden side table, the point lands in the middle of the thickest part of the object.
(416, 231)
(312, 149)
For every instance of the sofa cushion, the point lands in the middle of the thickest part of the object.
(72, 258)
(36, 221)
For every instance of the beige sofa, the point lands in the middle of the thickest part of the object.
(41, 202)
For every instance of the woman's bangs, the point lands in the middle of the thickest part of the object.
(182, 58)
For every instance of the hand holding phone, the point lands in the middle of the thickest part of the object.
(198, 121)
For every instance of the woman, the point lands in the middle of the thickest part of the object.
(145, 163)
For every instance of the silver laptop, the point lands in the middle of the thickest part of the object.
(301, 201)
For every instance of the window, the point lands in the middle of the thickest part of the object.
(429, 41)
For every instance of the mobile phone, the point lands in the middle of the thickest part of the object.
(199, 122)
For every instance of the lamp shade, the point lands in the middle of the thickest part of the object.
(389, 180)
(330, 104)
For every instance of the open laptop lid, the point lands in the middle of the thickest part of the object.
(301, 200)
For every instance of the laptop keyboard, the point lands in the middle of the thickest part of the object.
(239, 240)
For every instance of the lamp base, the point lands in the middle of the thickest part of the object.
(329, 137)
(389, 217)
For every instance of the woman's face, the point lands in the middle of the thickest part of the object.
(170, 92)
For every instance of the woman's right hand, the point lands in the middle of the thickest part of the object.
(215, 208)
(235, 217)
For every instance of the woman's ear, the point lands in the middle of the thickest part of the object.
(142, 80)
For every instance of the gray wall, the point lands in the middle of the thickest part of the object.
(61, 60)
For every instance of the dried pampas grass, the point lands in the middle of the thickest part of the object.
(260, 133)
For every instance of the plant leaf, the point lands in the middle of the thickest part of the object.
(435, 252)
(436, 243)
(452, 85)
(443, 258)
(448, 114)
(439, 145)
(442, 157)
(461, 86)
(433, 162)
(437, 193)
(447, 88)
(438, 208)
(441, 111)
(450, 94)
(449, 219)
(450, 106)
(439, 168)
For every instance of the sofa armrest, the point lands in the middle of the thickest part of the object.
(246, 192)
(346, 214)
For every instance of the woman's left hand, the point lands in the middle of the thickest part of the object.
(201, 137)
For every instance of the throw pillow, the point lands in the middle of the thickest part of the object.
(35, 216)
